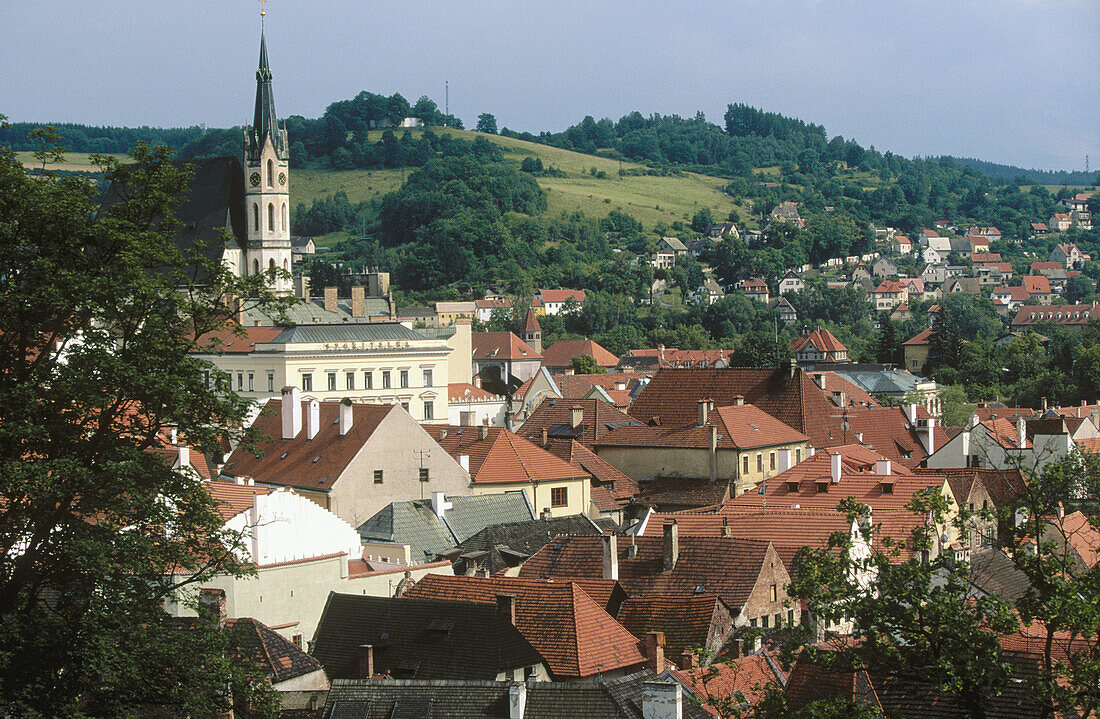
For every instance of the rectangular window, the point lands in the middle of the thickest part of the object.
(251, 383)
(307, 382)
(423, 474)
(368, 380)
(771, 460)
(349, 377)
(798, 455)
(385, 379)
(270, 382)
(428, 378)
(790, 617)
(240, 381)
(332, 381)
(429, 409)
(752, 623)
(775, 592)
(778, 619)
(405, 406)
(764, 621)
(403, 376)
(559, 496)
(297, 640)
(378, 476)
(759, 462)
(206, 378)
(745, 464)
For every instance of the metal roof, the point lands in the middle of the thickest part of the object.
(364, 332)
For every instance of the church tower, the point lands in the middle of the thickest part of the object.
(267, 178)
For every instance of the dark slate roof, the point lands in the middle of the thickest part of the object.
(366, 332)
(508, 544)
(414, 522)
(993, 572)
(419, 638)
(312, 311)
(274, 653)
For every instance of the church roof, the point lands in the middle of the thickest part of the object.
(264, 122)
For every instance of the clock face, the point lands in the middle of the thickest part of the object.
(282, 178)
(254, 178)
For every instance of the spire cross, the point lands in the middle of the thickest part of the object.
(262, 11)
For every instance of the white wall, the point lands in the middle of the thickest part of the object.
(284, 526)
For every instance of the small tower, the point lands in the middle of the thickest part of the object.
(531, 332)
(267, 177)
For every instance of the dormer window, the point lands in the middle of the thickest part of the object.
(792, 486)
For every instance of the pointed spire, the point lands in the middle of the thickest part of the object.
(264, 122)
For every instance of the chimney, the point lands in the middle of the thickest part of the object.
(713, 453)
(930, 435)
(330, 299)
(464, 462)
(790, 366)
(882, 466)
(517, 700)
(655, 651)
(1021, 432)
(840, 399)
(702, 412)
(738, 400)
(834, 466)
(477, 381)
(662, 700)
(610, 556)
(859, 437)
(1045, 405)
(366, 661)
(1061, 511)
(506, 608)
(819, 379)
(576, 416)
(482, 432)
(213, 601)
(301, 287)
(313, 418)
(973, 421)
(184, 455)
(544, 437)
(784, 460)
(291, 412)
(671, 546)
(358, 301)
(440, 505)
(737, 648)
(347, 418)
(911, 412)
(661, 353)
(689, 660)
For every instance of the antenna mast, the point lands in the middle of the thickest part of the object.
(447, 97)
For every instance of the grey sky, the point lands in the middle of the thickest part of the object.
(1004, 80)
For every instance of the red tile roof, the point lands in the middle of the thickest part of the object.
(730, 679)
(530, 322)
(684, 492)
(574, 633)
(502, 457)
(980, 257)
(309, 464)
(556, 417)
(274, 654)
(739, 427)
(233, 498)
(561, 354)
(888, 431)
(562, 295)
(670, 399)
(500, 346)
(575, 386)
(924, 338)
(1037, 284)
(230, 341)
(1037, 267)
(611, 489)
(891, 287)
(1073, 315)
(822, 339)
(456, 392)
(685, 621)
(1081, 535)
(729, 568)
(672, 357)
(809, 682)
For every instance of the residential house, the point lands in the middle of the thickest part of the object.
(501, 356)
(696, 628)
(927, 235)
(962, 285)
(672, 245)
(1079, 212)
(418, 530)
(906, 435)
(889, 295)
(620, 388)
(1008, 300)
(859, 273)
(722, 230)
(1002, 444)
(300, 247)
(1038, 229)
(558, 357)
(448, 313)
(663, 259)
(570, 629)
(1060, 222)
(1066, 315)
(485, 307)
(978, 258)
(786, 212)
(990, 234)
(784, 310)
(554, 301)
(791, 283)
(381, 363)
(901, 244)
(585, 420)
(498, 461)
(417, 316)
(362, 637)
(737, 445)
(818, 347)
(756, 289)
(1038, 288)
(707, 293)
(641, 360)
(1068, 255)
(884, 267)
(499, 549)
(748, 576)
(933, 273)
(1075, 538)
(1053, 271)
(901, 313)
(963, 247)
(470, 405)
(352, 459)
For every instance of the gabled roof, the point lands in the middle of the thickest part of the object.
(502, 457)
(754, 284)
(890, 287)
(670, 399)
(562, 352)
(739, 427)
(562, 295)
(507, 544)
(419, 638)
(1079, 534)
(299, 462)
(576, 386)
(822, 340)
(233, 498)
(1073, 315)
(888, 431)
(686, 621)
(674, 243)
(574, 633)
(279, 658)
(236, 340)
(684, 492)
(501, 346)
(729, 568)
(922, 338)
(1037, 284)
(809, 682)
(598, 418)
(611, 489)
(724, 680)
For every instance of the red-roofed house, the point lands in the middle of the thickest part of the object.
(1008, 300)
(470, 405)
(756, 289)
(817, 347)
(689, 623)
(503, 354)
(1066, 315)
(1067, 254)
(558, 358)
(1060, 222)
(889, 295)
(651, 359)
(612, 491)
(905, 435)
(553, 301)
(916, 350)
(498, 461)
(1039, 228)
(1038, 287)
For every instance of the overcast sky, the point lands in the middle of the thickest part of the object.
(1011, 81)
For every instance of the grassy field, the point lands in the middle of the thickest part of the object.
(74, 161)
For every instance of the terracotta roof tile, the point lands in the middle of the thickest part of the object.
(500, 346)
(822, 339)
(530, 322)
(923, 338)
(686, 621)
(562, 295)
(611, 489)
(575, 386)
(560, 354)
(724, 680)
(1037, 284)
(278, 657)
(888, 431)
(233, 498)
(230, 341)
(503, 457)
(598, 418)
(739, 427)
(684, 492)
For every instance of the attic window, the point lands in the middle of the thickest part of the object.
(887, 487)
(316, 459)
(441, 625)
(700, 589)
(822, 487)
(792, 486)
(283, 456)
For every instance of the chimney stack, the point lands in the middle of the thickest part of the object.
(1021, 432)
(301, 287)
(517, 700)
(671, 552)
(702, 412)
(506, 608)
(834, 466)
(655, 651)
(358, 301)
(930, 435)
(482, 432)
(610, 556)
(347, 417)
(366, 661)
(544, 437)
(840, 398)
(1061, 511)
(291, 412)
(1045, 405)
(911, 412)
(213, 601)
(330, 299)
(576, 416)
(662, 700)
(184, 453)
(313, 418)
(440, 505)
(819, 379)
(713, 453)
(882, 466)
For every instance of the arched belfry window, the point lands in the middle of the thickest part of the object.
(284, 217)
(286, 265)
(271, 264)
(270, 173)
(255, 267)
(271, 217)
(255, 217)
